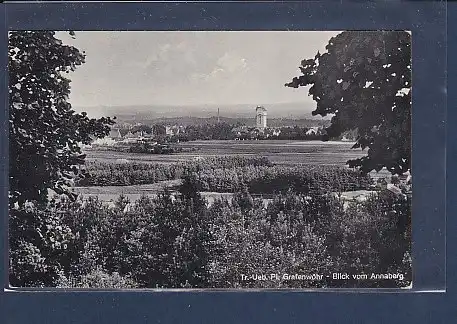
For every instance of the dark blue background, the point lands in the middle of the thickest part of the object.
(427, 21)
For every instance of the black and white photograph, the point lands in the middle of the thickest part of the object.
(210, 159)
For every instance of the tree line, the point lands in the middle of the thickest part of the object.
(230, 174)
(225, 131)
(275, 179)
(97, 173)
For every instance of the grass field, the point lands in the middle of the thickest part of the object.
(277, 151)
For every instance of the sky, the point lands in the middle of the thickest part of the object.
(190, 68)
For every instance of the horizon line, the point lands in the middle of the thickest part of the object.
(196, 104)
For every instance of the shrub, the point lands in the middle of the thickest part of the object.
(97, 278)
(373, 237)
(38, 242)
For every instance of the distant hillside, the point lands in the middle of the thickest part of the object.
(297, 110)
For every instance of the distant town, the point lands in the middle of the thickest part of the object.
(156, 137)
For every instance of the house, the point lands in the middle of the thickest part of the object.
(394, 189)
(174, 130)
(115, 133)
(269, 132)
(131, 135)
(313, 131)
(106, 141)
(240, 130)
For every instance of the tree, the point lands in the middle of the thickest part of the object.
(44, 152)
(364, 80)
(142, 128)
(159, 130)
(44, 132)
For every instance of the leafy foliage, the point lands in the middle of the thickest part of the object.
(121, 174)
(274, 179)
(230, 174)
(225, 131)
(39, 244)
(375, 237)
(180, 241)
(364, 79)
(220, 131)
(44, 132)
(294, 133)
(97, 278)
(142, 128)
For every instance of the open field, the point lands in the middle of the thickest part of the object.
(110, 194)
(277, 151)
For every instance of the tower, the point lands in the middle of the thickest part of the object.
(261, 117)
(218, 118)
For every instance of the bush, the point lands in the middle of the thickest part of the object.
(39, 246)
(98, 278)
(373, 237)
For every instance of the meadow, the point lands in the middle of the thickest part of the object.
(277, 151)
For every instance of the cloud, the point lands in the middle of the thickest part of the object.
(231, 63)
(162, 54)
(144, 64)
(227, 65)
(192, 67)
(164, 48)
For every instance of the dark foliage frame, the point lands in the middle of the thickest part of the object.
(426, 20)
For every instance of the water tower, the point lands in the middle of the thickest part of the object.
(261, 117)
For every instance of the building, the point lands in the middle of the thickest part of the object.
(131, 135)
(261, 117)
(275, 131)
(174, 130)
(169, 130)
(115, 133)
(240, 130)
(313, 130)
